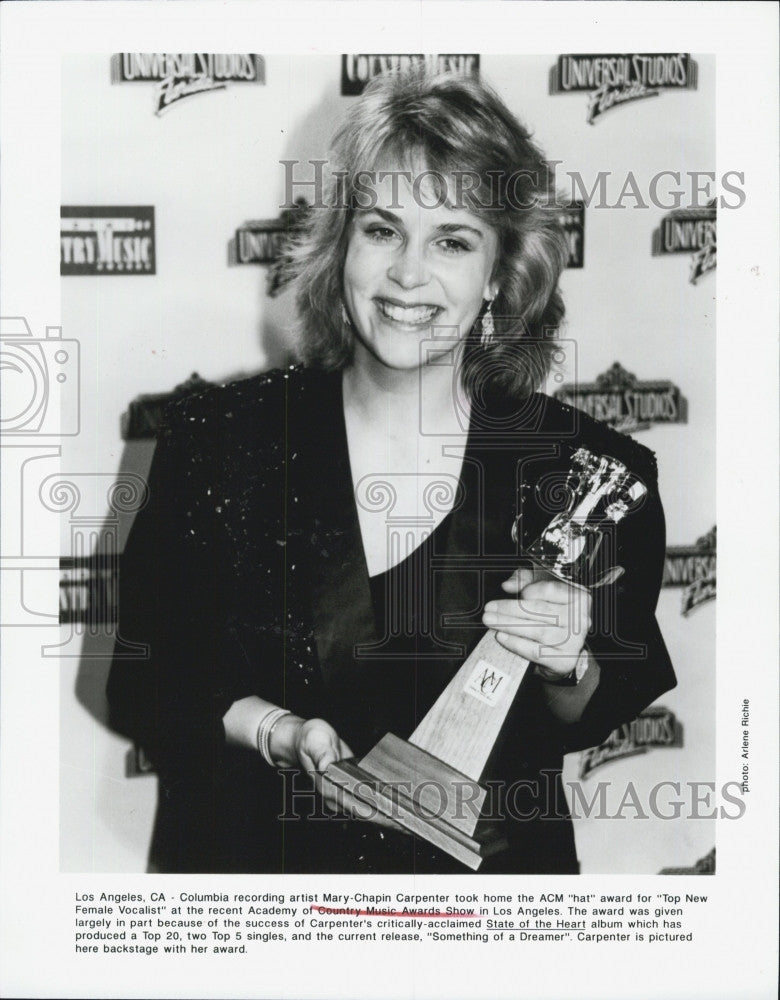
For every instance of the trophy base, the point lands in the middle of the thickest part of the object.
(422, 794)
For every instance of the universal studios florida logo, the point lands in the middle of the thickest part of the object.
(613, 80)
(180, 75)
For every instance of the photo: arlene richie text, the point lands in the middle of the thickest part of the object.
(745, 747)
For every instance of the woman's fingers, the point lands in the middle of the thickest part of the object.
(529, 649)
(521, 578)
(538, 612)
(555, 659)
(543, 603)
(546, 621)
(525, 620)
(318, 745)
(541, 637)
(555, 592)
(336, 799)
(538, 584)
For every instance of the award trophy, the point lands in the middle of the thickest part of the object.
(430, 782)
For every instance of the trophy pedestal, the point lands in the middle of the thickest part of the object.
(437, 802)
(430, 783)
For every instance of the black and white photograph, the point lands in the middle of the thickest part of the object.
(367, 460)
(456, 452)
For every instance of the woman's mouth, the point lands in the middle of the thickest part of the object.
(419, 315)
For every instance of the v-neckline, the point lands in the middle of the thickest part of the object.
(350, 484)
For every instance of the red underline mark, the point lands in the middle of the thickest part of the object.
(342, 912)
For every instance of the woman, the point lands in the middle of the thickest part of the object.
(330, 542)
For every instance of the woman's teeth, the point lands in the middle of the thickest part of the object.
(411, 315)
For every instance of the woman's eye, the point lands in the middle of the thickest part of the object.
(453, 246)
(380, 233)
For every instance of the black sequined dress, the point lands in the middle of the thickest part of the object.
(245, 574)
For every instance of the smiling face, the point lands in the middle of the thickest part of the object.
(413, 270)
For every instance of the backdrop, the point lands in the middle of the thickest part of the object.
(172, 185)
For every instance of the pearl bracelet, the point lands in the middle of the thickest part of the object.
(264, 730)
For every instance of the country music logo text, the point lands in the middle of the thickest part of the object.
(357, 70)
(116, 240)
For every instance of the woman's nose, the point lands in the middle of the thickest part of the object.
(409, 268)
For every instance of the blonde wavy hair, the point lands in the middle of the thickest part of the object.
(453, 125)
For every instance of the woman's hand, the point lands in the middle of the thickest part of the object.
(546, 622)
(313, 744)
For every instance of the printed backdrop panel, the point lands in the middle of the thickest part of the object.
(173, 167)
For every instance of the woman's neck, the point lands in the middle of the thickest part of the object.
(407, 433)
(429, 398)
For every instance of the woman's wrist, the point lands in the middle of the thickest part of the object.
(268, 729)
(265, 728)
(283, 740)
(572, 678)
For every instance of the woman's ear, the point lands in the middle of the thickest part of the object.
(490, 291)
